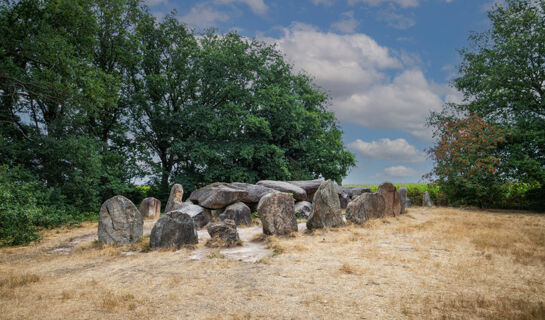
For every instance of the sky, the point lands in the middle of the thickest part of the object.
(386, 64)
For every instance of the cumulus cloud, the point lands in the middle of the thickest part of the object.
(204, 15)
(257, 6)
(396, 20)
(347, 23)
(401, 3)
(398, 150)
(355, 70)
(399, 172)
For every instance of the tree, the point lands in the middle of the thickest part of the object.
(502, 78)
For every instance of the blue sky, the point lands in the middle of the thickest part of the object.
(385, 64)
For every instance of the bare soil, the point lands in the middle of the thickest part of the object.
(437, 263)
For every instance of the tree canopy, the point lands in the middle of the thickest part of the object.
(502, 79)
(96, 96)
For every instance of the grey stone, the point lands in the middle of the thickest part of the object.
(218, 195)
(119, 222)
(175, 198)
(150, 208)
(303, 209)
(255, 192)
(366, 206)
(344, 199)
(310, 186)
(403, 199)
(282, 186)
(239, 212)
(426, 200)
(223, 234)
(391, 196)
(201, 216)
(277, 214)
(326, 208)
(174, 228)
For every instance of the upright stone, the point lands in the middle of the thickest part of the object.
(277, 214)
(218, 195)
(366, 206)
(238, 212)
(175, 198)
(326, 208)
(223, 234)
(150, 208)
(426, 200)
(298, 193)
(403, 199)
(119, 222)
(174, 228)
(391, 196)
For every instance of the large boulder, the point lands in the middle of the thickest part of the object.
(310, 186)
(426, 200)
(391, 196)
(282, 186)
(403, 199)
(303, 209)
(277, 214)
(174, 228)
(326, 208)
(366, 206)
(119, 222)
(150, 208)
(223, 234)
(238, 212)
(175, 198)
(255, 192)
(201, 216)
(354, 192)
(218, 195)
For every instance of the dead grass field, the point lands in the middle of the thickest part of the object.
(438, 263)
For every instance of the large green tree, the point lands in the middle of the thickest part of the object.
(502, 78)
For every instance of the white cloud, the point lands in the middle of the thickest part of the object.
(398, 150)
(396, 20)
(356, 72)
(203, 15)
(257, 6)
(399, 172)
(347, 23)
(325, 3)
(402, 3)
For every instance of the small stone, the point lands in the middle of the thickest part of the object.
(150, 208)
(119, 222)
(223, 234)
(303, 209)
(277, 214)
(174, 228)
(366, 206)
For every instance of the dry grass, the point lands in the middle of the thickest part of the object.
(436, 263)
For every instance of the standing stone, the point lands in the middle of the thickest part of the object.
(218, 195)
(426, 200)
(201, 216)
(277, 214)
(239, 212)
(150, 208)
(282, 186)
(326, 208)
(223, 234)
(391, 196)
(303, 209)
(365, 207)
(403, 199)
(119, 222)
(175, 198)
(174, 228)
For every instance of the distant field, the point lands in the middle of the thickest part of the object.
(432, 263)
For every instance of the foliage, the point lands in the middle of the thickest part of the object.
(467, 161)
(502, 79)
